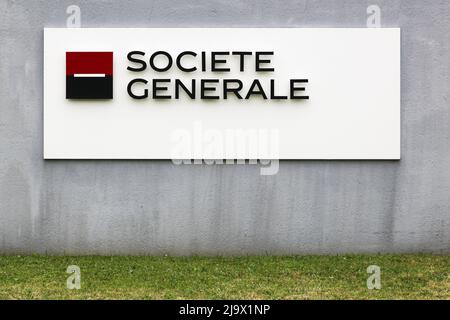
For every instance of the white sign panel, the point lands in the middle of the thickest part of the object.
(222, 93)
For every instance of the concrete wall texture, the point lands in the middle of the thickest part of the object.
(156, 207)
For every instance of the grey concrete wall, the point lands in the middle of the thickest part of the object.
(155, 207)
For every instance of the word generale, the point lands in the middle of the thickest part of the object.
(219, 62)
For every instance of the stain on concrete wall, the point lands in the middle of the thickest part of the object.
(155, 207)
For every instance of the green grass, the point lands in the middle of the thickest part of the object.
(308, 277)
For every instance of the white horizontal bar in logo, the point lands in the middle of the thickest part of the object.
(91, 75)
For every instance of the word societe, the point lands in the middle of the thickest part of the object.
(211, 88)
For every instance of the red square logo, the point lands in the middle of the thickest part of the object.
(89, 75)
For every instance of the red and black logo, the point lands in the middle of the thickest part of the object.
(89, 75)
